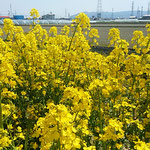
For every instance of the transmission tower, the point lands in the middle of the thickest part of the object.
(10, 11)
(99, 9)
(138, 12)
(132, 9)
(142, 11)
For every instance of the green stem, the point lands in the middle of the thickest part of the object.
(69, 50)
(27, 137)
(122, 114)
(117, 65)
(1, 115)
(66, 77)
(87, 72)
(72, 37)
(59, 146)
(100, 116)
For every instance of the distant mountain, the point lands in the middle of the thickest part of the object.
(107, 15)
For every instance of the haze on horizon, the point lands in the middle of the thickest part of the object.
(61, 7)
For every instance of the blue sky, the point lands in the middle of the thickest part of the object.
(58, 7)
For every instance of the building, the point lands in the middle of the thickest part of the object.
(132, 17)
(145, 17)
(3, 17)
(49, 16)
(20, 17)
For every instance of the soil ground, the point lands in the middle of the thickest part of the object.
(126, 30)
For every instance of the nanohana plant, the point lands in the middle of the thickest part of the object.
(56, 94)
(34, 14)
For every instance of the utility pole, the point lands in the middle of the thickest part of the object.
(138, 12)
(142, 11)
(65, 13)
(10, 11)
(112, 15)
(132, 9)
(99, 9)
(68, 15)
(148, 11)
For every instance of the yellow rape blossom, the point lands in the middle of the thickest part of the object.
(4, 139)
(34, 13)
(56, 93)
(140, 145)
(53, 31)
(82, 20)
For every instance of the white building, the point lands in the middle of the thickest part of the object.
(49, 16)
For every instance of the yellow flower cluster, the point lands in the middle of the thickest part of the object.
(57, 126)
(1, 32)
(113, 131)
(34, 13)
(140, 145)
(82, 20)
(93, 34)
(65, 30)
(4, 139)
(53, 31)
(55, 93)
(114, 35)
